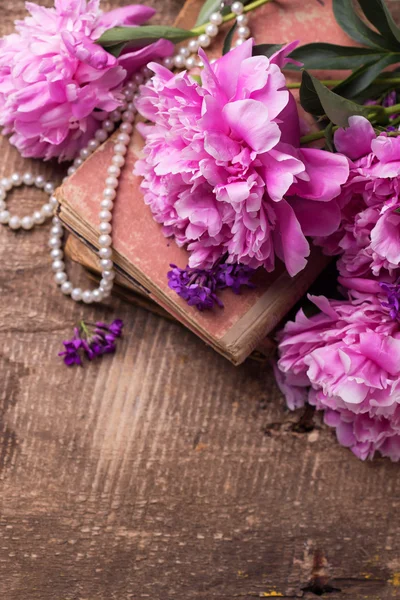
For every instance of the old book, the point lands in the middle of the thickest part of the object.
(142, 254)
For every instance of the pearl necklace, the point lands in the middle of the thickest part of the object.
(185, 58)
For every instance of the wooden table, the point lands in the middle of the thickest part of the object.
(165, 472)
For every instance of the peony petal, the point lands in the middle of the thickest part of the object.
(249, 120)
(355, 140)
(290, 244)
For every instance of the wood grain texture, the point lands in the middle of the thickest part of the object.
(165, 472)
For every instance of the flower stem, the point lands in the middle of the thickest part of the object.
(392, 110)
(253, 5)
(312, 137)
(333, 82)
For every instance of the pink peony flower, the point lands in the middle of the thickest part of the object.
(369, 235)
(56, 84)
(345, 360)
(223, 170)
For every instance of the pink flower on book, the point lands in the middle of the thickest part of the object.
(369, 235)
(345, 360)
(223, 171)
(56, 84)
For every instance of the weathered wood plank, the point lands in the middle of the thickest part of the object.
(165, 472)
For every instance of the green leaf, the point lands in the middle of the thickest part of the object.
(378, 14)
(319, 100)
(364, 76)
(378, 88)
(141, 36)
(328, 135)
(228, 39)
(351, 23)
(266, 49)
(211, 6)
(331, 56)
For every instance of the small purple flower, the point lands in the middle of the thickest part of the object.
(234, 276)
(196, 286)
(91, 341)
(199, 286)
(392, 291)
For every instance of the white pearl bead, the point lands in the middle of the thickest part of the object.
(56, 254)
(204, 40)
(243, 32)
(16, 179)
(105, 252)
(216, 18)
(113, 171)
(123, 138)
(211, 30)
(56, 230)
(67, 288)
(190, 62)
(87, 297)
(6, 184)
(14, 222)
(115, 116)
(40, 181)
(184, 51)
(111, 182)
(242, 20)
(58, 265)
(118, 160)
(78, 162)
(54, 242)
(168, 62)
(106, 286)
(47, 210)
(38, 217)
(237, 8)
(120, 149)
(49, 188)
(4, 217)
(3, 205)
(27, 223)
(76, 294)
(107, 204)
(105, 240)
(106, 264)
(97, 295)
(93, 145)
(53, 201)
(129, 115)
(55, 221)
(105, 227)
(109, 193)
(239, 42)
(146, 72)
(108, 275)
(101, 135)
(85, 153)
(3, 194)
(193, 46)
(108, 125)
(28, 179)
(126, 128)
(105, 215)
(71, 170)
(60, 277)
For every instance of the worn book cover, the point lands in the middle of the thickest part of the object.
(142, 254)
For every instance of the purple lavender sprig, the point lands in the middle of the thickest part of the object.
(91, 341)
(392, 291)
(199, 287)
